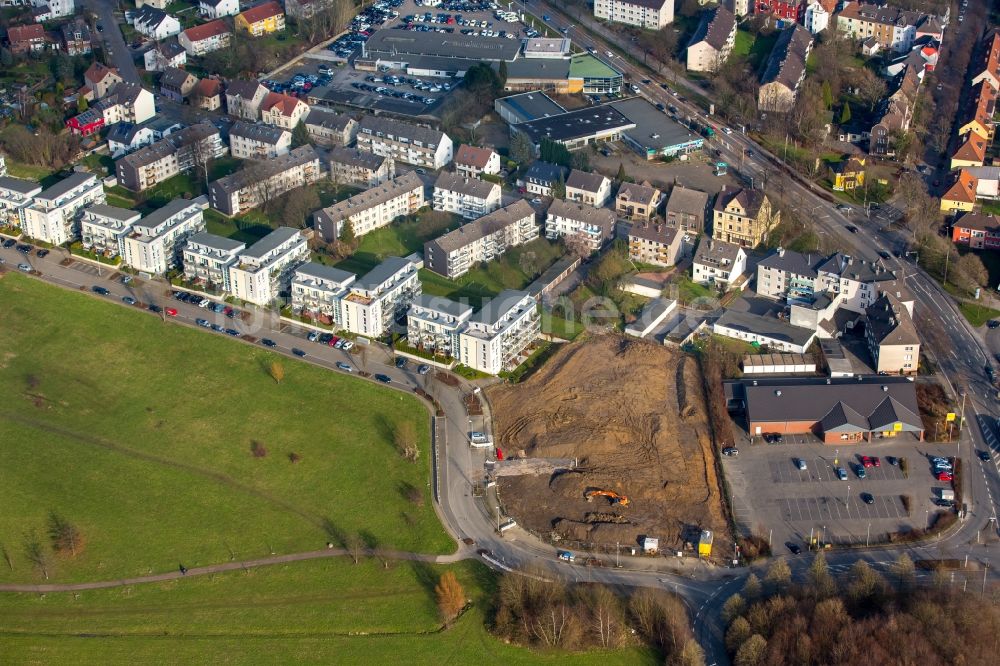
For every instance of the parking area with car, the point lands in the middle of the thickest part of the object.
(791, 489)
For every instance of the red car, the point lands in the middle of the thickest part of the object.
(867, 461)
(333, 341)
(171, 312)
(876, 461)
(944, 476)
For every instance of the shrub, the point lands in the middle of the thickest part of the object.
(257, 449)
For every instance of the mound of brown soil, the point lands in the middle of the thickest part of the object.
(633, 414)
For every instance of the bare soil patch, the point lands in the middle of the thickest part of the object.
(633, 414)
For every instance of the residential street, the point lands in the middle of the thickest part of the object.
(114, 43)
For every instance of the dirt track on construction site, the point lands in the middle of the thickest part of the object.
(633, 414)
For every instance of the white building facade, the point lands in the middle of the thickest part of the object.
(154, 243)
(53, 216)
(265, 268)
(496, 336)
(649, 14)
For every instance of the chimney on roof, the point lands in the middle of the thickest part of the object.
(828, 380)
(755, 382)
(781, 251)
(885, 389)
(778, 393)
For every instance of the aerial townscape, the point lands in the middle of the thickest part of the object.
(439, 331)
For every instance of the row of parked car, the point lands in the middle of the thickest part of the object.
(202, 302)
(24, 248)
(330, 340)
(398, 94)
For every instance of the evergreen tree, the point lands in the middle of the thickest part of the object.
(845, 114)
(559, 189)
(621, 175)
(503, 73)
(81, 104)
(300, 135)
(827, 95)
(521, 148)
(347, 233)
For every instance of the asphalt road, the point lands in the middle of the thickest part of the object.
(114, 43)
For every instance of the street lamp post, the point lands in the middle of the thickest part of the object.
(868, 537)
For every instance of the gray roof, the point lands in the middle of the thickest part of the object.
(538, 68)
(574, 124)
(269, 242)
(643, 193)
(329, 119)
(585, 180)
(454, 45)
(531, 105)
(572, 210)
(845, 404)
(68, 183)
(19, 185)
(653, 129)
(324, 272)
(372, 196)
(170, 144)
(355, 157)
(494, 309)
(244, 89)
(858, 270)
(122, 93)
(787, 62)
(150, 15)
(890, 322)
(170, 48)
(113, 212)
(750, 200)
(175, 77)
(795, 263)
(544, 172)
(472, 187)
(770, 327)
(658, 233)
(216, 242)
(259, 132)
(397, 128)
(484, 226)
(445, 305)
(382, 273)
(715, 27)
(172, 208)
(240, 179)
(688, 202)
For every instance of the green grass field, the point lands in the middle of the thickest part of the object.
(139, 433)
(325, 610)
(977, 314)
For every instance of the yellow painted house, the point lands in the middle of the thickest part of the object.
(962, 195)
(849, 174)
(262, 19)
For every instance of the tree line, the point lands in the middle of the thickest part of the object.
(867, 619)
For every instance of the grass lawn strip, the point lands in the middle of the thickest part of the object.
(139, 432)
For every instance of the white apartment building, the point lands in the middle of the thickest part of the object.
(433, 324)
(57, 8)
(816, 18)
(283, 110)
(208, 258)
(215, 9)
(485, 239)
(713, 41)
(265, 180)
(153, 245)
(717, 262)
(175, 153)
(649, 14)
(103, 228)
(373, 208)
(356, 167)
(405, 142)
(257, 141)
(16, 194)
(585, 224)
(376, 298)
(264, 269)
(473, 161)
(205, 38)
(317, 291)
(53, 214)
(468, 197)
(155, 23)
(591, 189)
(328, 128)
(127, 103)
(495, 337)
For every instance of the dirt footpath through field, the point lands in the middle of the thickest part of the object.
(633, 414)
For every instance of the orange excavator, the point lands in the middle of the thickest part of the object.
(614, 497)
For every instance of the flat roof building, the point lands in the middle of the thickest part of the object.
(579, 128)
(526, 106)
(654, 133)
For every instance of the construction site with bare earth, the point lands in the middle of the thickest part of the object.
(610, 443)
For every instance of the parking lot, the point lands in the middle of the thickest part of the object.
(771, 495)
(327, 75)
